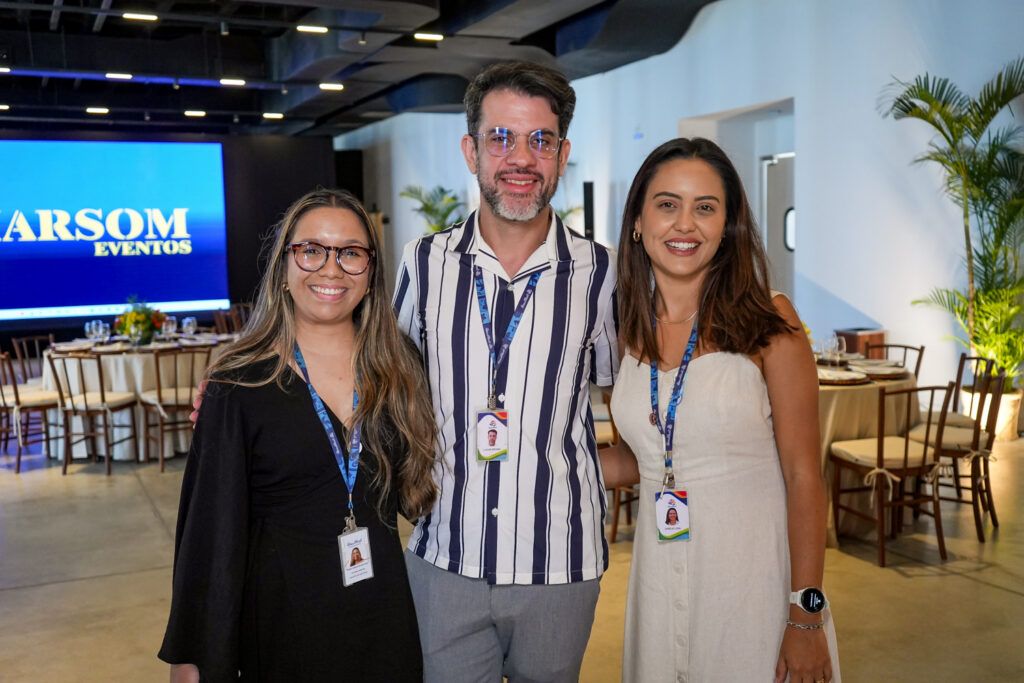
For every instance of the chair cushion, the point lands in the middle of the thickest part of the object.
(36, 399)
(952, 419)
(864, 452)
(23, 389)
(184, 398)
(115, 399)
(603, 432)
(953, 438)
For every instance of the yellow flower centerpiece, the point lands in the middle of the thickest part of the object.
(140, 322)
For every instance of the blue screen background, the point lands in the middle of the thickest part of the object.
(73, 175)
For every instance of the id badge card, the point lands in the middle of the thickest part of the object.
(672, 515)
(356, 562)
(492, 435)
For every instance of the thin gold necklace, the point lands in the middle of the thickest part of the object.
(677, 322)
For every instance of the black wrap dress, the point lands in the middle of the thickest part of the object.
(258, 592)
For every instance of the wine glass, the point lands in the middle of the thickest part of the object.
(135, 333)
(104, 331)
(188, 326)
(170, 325)
(90, 329)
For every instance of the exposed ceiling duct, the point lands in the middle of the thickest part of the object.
(58, 58)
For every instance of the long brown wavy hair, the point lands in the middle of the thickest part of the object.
(389, 375)
(736, 310)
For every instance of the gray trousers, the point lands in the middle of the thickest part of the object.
(473, 632)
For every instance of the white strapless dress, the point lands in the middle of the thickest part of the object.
(712, 608)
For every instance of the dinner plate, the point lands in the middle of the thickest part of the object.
(829, 376)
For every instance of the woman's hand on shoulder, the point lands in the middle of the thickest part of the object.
(803, 657)
(184, 673)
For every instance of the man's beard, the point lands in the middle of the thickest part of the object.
(492, 195)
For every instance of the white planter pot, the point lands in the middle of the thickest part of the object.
(1009, 421)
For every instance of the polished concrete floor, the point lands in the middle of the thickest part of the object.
(85, 575)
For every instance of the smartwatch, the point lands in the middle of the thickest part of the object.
(810, 600)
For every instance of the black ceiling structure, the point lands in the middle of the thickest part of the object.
(59, 58)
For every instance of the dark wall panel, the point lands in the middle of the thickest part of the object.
(262, 177)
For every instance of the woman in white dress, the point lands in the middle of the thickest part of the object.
(717, 397)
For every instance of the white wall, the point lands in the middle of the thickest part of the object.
(875, 231)
(409, 149)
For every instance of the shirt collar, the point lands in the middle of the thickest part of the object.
(555, 247)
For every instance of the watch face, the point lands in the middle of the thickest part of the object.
(812, 600)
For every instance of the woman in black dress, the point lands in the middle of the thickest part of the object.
(264, 587)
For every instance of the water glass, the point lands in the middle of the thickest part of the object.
(188, 326)
(829, 349)
(135, 334)
(840, 348)
(170, 325)
(104, 330)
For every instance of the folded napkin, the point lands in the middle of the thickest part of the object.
(108, 348)
(876, 362)
(879, 370)
(197, 341)
(77, 345)
(829, 375)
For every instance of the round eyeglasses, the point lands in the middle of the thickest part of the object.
(500, 142)
(312, 256)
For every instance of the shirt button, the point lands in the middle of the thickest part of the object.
(501, 397)
(679, 604)
(681, 639)
(494, 512)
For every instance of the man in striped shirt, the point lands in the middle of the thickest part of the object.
(515, 316)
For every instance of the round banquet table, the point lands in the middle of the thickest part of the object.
(851, 412)
(129, 370)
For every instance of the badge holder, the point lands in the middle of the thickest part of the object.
(492, 435)
(354, 548)
(671, 511)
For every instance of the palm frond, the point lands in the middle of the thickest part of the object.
(996, 95)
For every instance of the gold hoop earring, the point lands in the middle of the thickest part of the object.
(636, 236)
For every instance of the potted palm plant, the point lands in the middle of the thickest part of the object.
(440, 207)
(985, 178)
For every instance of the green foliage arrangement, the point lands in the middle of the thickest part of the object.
(440, 207)
(984, 176)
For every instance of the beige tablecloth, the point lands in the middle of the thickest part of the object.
(851, 412)
(130, 371)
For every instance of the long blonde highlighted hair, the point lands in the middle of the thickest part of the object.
(389, 376)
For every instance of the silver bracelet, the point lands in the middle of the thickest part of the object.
(805, 627)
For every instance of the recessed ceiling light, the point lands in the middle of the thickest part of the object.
(198, 113)
(4, 107)
(97, 110)
(311, 29)
(5, 69)
(119, 77)
(428, 36)
(139, 16)
(232, 81)
(273, 115)
(332, 86)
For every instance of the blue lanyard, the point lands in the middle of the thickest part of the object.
(348, 470)
(668, 431)
(513, 325)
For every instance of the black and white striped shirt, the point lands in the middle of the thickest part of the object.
(537, 517)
